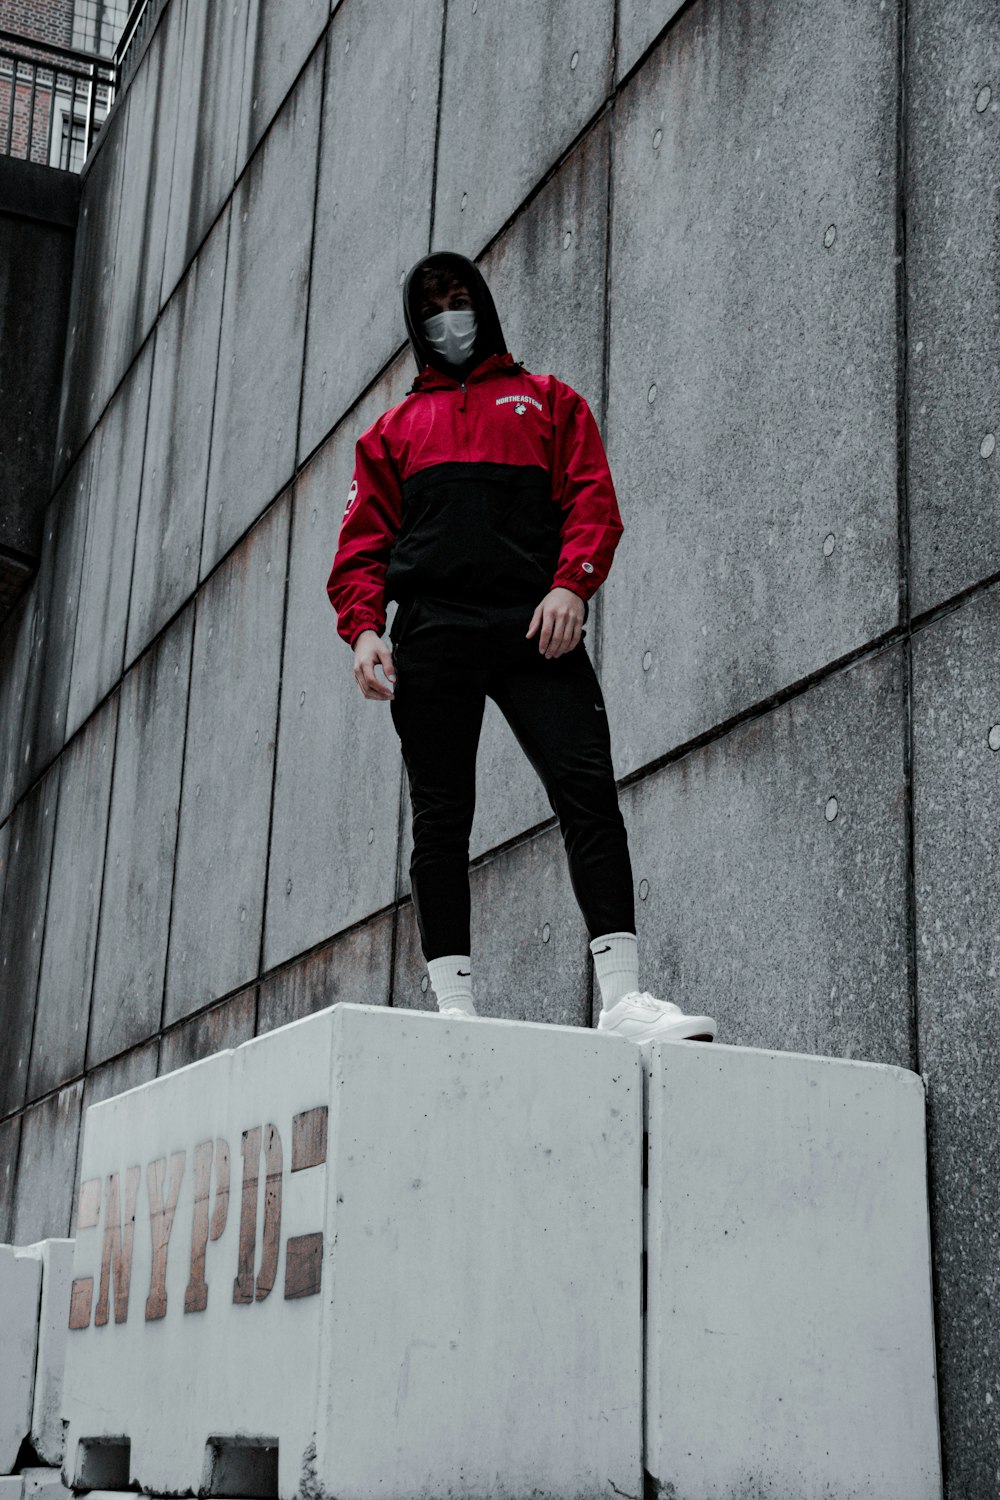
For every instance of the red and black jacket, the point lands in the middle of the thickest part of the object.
(488, 484)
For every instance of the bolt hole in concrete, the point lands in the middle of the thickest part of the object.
(994, 737)
(241, 1466)
(832, 808)
(103, 1463)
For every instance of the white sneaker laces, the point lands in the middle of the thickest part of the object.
(645, 1000)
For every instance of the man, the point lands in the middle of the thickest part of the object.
(483, 504)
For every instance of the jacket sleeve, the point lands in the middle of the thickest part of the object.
(583, 489)
(371, 522)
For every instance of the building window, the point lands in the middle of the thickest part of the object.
(97, 25)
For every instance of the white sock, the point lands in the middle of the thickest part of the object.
(451, 979)
(616, 961)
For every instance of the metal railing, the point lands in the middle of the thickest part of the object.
(53, 101)
(142, 17)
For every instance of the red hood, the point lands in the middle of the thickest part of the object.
(431, 379)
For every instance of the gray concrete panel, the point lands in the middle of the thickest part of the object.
(67, 963)
(4, 842)
(84, 366)
(107, 562)
(639, 22)
(36, 272)
(175, 465)
(263, 323)
(279, 39)
(530, 954)
(29, 855)
(336, 796)
(222, 839)
(751, 420)
(43, 1200)
(208, 125)
(373, 200)
(956, 785)
(57, 586)
(142, 834)
(15, 655)
(356, 967)
(541, 72)
(125, 1072)
(547, 272)
(10, 1136)
(770, 873)
(225, 1025)
(149, 155)
(953, 297)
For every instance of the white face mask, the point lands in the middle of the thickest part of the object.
(452, 334)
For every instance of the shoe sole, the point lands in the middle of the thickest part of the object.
(672, 1032)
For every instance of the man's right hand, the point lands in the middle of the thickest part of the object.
(369, 653)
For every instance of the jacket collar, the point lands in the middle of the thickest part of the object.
(432, 379)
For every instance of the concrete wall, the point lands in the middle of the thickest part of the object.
(38, 214)
(760, 240)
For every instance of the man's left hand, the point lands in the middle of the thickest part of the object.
(560, 615)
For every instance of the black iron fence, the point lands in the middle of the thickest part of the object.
(53, 100)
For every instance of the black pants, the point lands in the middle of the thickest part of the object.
(448, 656)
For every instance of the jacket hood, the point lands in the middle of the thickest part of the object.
(489, 334)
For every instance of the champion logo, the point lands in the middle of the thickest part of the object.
(352, 495)
(520, 403)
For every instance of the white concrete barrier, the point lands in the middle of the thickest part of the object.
(375, 1252)
(20, 1290)
(789, 1328)
(34, 1307)
(53, 1326)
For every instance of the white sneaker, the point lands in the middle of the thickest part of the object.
(642, 1018)
(458, 1008)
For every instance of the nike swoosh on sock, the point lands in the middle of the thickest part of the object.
(603, 950)
(463, 973)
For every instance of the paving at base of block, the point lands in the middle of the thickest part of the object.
(34, 1484)
(357, 1256)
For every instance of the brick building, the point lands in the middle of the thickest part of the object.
(88, 26)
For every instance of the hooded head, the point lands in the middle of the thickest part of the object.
(449, 336)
